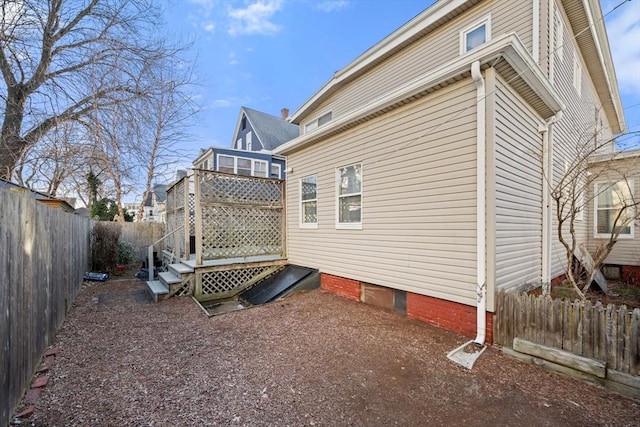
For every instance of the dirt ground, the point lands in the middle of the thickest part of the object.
(310, 359)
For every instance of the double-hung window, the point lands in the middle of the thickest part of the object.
(275, 170)
(475, 35)
(309, 202)
(613, 212)
(260, 168)
(349, 195)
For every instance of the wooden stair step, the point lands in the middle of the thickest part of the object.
(157, 288)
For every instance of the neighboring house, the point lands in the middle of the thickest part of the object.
(417, 180)
(154, 205)
(39, 196)
(615, 180)
(255, 136)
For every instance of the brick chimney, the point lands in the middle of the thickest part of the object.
(285, 113)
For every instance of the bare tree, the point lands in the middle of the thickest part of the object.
(50, 164)
(164, 119)
(594, 171)
(52, 51)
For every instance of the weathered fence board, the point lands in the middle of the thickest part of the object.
(139, 235)
(610, 334)
(43, 255)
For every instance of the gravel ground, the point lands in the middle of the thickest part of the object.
(310, 359)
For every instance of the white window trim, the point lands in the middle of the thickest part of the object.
(310, 225)
(559, 47)
(487, 32)
(597, 235)
(235, 164)
(279, 170)
(349, 225)
(266, 168)
(316, 120)
(249, 143)
(577, 74)
(239, 144)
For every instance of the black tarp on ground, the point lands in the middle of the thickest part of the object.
(291, 278)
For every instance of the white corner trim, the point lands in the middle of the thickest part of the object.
(535, 47)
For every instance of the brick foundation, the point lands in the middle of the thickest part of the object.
(558, 280)
(631, 275)
(455, 317)
(339, 285)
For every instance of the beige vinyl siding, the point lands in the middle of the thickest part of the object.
(419, 200)
(519, 184)
(575, 129)
(433, 50)
(626, 251)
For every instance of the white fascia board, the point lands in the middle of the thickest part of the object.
(521, 61)
(508, 46)
(425, 19)
(599, 33)
(618, 155)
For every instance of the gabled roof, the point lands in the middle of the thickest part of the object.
(272, 131)
(506, 53)
(583, 14)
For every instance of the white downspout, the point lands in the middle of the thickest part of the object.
(481, 239)
(547, 168)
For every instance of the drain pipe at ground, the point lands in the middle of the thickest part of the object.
(466, 355)
(481, 282)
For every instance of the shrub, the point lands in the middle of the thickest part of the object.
(126, 253)
(105, 248)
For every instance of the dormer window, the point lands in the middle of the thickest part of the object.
(477, 34)
(316, 123)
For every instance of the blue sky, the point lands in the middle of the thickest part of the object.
(270, 54)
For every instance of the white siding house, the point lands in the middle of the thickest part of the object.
(420, 167)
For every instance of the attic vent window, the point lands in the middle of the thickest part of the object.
(475, 35)
(316, 123)
(243, 123)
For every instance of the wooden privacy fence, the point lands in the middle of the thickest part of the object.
(139, 235)
(609, 334)
(43, 255)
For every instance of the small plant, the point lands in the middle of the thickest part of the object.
(126, 253)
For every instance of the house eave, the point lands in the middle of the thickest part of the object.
(618, 155)
(508, 47)
(202, 156)
(588, 25)
(430, 19)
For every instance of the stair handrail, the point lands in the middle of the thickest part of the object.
(150, 264)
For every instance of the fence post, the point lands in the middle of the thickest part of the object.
(198, 215)
(283, 212)
(187, 215)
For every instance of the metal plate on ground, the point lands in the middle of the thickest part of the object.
(276, 285)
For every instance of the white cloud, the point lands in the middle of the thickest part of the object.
(209, 26)
(331, 5)
(255, 18)
(221, 103)
(623, 28)
(232, 59)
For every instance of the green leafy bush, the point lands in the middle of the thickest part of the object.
(126, 253)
